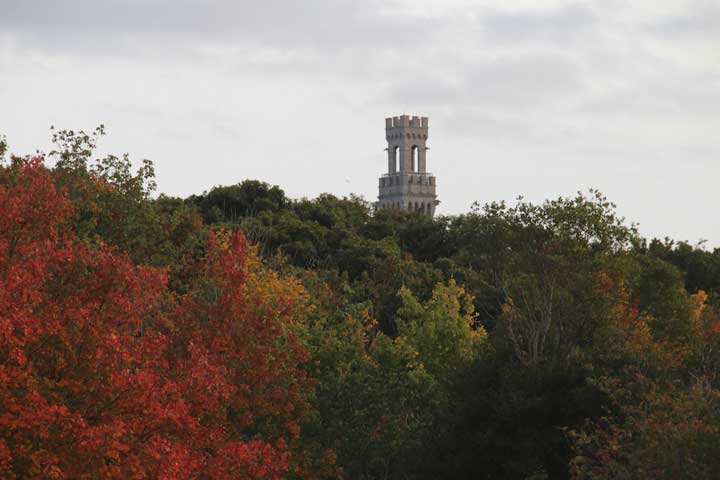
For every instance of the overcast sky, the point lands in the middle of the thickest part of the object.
(538, 98)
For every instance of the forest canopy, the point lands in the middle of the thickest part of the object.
(238, 333)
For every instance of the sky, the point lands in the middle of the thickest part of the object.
(532, 98)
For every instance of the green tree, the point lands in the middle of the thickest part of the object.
(442, 331)
(654, 430)
(229, 204)
(114, 205)
(374, 397)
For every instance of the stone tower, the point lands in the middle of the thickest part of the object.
(407, 185)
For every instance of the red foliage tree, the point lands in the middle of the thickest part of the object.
(103, 374)
(238, 362)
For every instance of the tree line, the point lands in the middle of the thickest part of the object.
(238, 333)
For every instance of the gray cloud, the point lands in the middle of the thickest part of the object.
(525, 81)
(494, 94)
(560, 25)
(702, 21)
(87, 24)
(536, 98)
(679, 96)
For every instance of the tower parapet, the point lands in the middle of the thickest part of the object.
(407, 185)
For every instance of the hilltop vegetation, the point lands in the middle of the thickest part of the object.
(242, 334)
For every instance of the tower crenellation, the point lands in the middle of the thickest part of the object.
(407, 185)
(405, 121)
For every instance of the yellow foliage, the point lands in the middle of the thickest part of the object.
(699, 300)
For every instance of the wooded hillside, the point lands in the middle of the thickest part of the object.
(241, 334)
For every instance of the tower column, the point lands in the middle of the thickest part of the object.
(406, 158)
(391, 159)
(422, 164)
